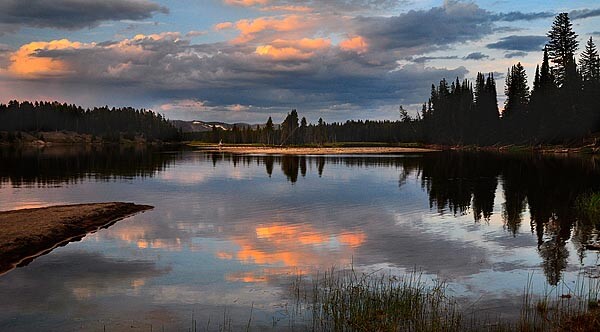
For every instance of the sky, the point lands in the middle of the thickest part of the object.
(246, 60)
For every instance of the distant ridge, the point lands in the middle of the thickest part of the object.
(197, 126)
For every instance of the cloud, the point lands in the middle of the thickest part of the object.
(246, 3)
(223, 26)
(419, 31)
(519, 43)
(72, 14)
(518, 54)
(476, 56)
(222, 77)
(287, 8)
(520, 16)
(584, 13)
(251, 28)
(323, 6)
(196, 33)
(293, 49)
(355, 44)
(424, 59)
(26, 62)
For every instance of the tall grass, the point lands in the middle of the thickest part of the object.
(351, 301)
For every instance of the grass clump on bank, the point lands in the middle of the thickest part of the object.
(351, 301)
(346, 300)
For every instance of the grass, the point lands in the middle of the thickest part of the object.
(351, 301)
(348, 301)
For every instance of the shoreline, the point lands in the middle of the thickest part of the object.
(30, 233)
(313, 150)
(373, 150)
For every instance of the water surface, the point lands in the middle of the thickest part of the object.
(230, 233)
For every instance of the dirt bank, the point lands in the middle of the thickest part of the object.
(29, 233)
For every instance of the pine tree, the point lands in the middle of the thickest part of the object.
(288, 128)
(517, 91)
(269, 131)
(404, 116)
(589, 63)
(562, 47)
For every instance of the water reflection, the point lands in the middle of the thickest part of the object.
(544, 187)
(232, 230)
(56, 165)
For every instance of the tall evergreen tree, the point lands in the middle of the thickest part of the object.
(269, 131)
(289, 127)
(589, 63)
(517, 92)
(590, 75)
(562, 47)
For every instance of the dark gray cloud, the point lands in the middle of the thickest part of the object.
(518, 54)
(454, 22)
(329, 6)
(476, 56)
(520, 16)
(520, 43)
(584, 13)
(424, 59)
(72, 14)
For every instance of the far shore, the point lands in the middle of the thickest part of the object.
(29, 233)
(240, 149)
(378, 148)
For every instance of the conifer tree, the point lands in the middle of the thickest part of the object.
(561, 49)
(517, 91)
(589, 63)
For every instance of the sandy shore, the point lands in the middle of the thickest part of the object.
(29, 233)
(316, 151)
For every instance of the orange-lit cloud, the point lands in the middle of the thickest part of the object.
(353, 240)
(297, 9)
(169, 35)
(356, 44)
(249, 28)
(26, 62)
(293, 49)
(246, 3)
(289, 249)
(223, 26)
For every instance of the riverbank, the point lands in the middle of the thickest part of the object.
(241, 149)
(50, 138)
(29, 233)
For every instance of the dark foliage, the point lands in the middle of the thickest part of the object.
(110, 124)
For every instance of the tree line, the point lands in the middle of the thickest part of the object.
(295, 131)
(561, 106)
(107, 123)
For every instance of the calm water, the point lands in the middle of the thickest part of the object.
(229, 233)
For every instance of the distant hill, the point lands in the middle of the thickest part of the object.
(197, 126)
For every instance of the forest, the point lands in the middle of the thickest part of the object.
(561, 107)
(108, 124)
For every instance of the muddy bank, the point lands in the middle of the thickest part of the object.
(316, 150)
(29, 233)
